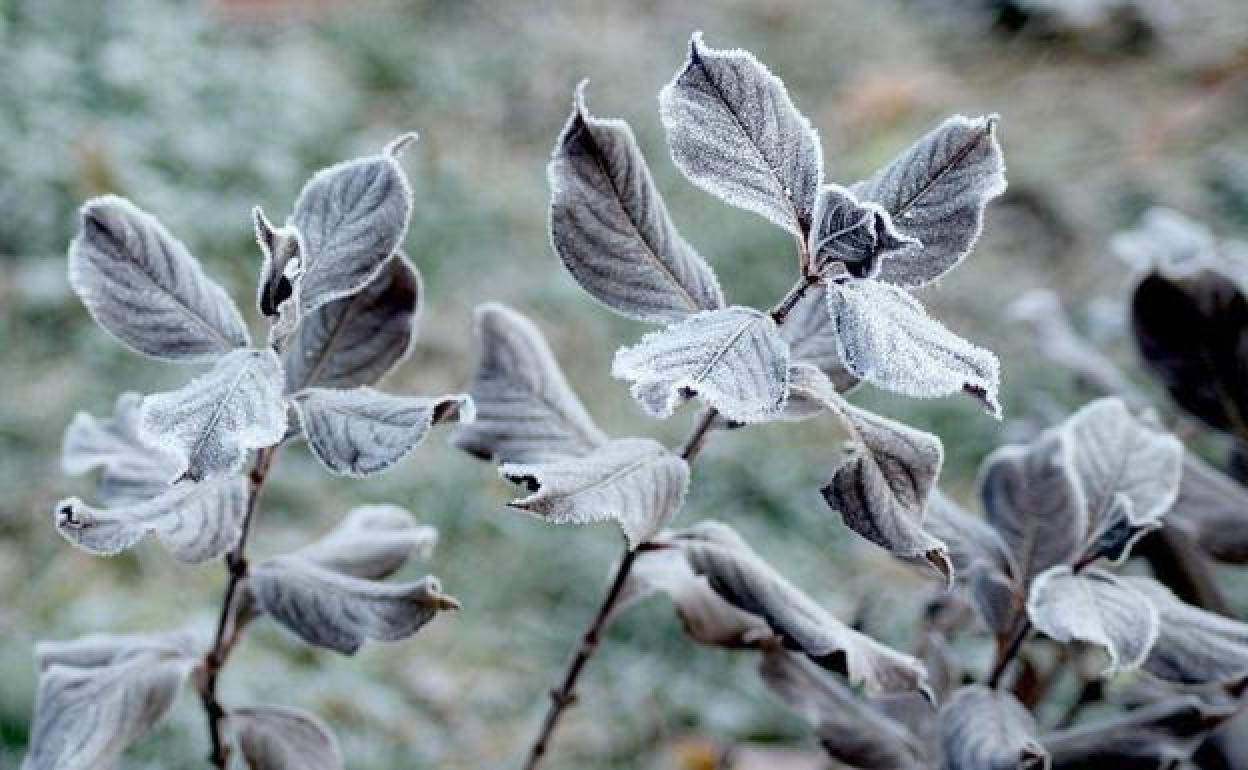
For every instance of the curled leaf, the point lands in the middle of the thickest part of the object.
(211, 422)
(733, 359)
(735, 133)
(276, 738)
(526, 412)
(986, 729)
(1193, 646)
(282, 263)
(372, 542)
(611, 229)
(637, 483)
(855, 234)
(144, 287)
(132, 469)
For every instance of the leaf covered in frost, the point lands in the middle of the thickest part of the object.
(351, 218)
(611, 229)
(144, 287)
(986, 729)
(211, 422)
(100, 694)
(282, 264)
(372, 542)
(888, 339)
(363, 431)
(277, 738)
(734, 359)
(936, 192)
(858, 235)
(195, 521)
(132, 470)
(1096, 607)
(1194, 646)
(526, 412)
(735, 133)
(358, 339)
(637, 483)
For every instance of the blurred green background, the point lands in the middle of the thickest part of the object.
(199, 110)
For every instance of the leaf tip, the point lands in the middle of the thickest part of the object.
(400, 143)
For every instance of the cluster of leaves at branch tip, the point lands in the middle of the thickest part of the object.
(343, 304)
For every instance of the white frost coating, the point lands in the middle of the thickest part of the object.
(1096, 607)
(196, 522)
(526, 411)
(637, 483)
(143, 286)
(350, 217)
(132, 470)
(211, 422)
(611, 229)
(936, 192)
(358, 339)
(734, 359)
(986, 729)
(278, 738)
(362, 431)
(735, 133)
(1194, 646)
(888, 339)
(372, 542)
(98, 697)
(858, 235)
(1167, 241)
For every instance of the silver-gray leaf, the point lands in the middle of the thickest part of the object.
(746, 581)
(1096, 607)
(637, 483)
(277, 738)
(362, 431)
(1194, 646)
(848, 727)
(144, 287)
(733, 359)
(372, 542)
(986, 729)
(860, 236)
(195, 521)
(1158, 735)
(936, 192)
(526, 412)
(1031, 497)
(282, 264)
(882, 485)
(735, 133)
(888, 339)
(811, 336)
(982, 561)
(132, 470)
(1212, 509)
(358, 339)
(211, 422)
(339, 612)
(351, 218)
(611, 229)
(97, 698)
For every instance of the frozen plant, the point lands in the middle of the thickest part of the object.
(849, 318)
(189, 465)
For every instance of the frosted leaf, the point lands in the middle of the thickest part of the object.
(746, 581)
(850, 730)
(196, 522)
(1096, 607)
(858, 235)
(1031, 496)
(338, 611)
(611, 229)
(350, 218)
(936, 191)
(982, 561)
(98, 695)
(132, 470)
(888, 339)
(282, 264)
(637, 483)
(277, 738)
(1194, 646)
(986, 729)
(211, 422)
(811, 336)
(363, 431)
(735, 133)
(358, 339)
(526, 412)
(372, 542)
(733, 359)
(144, 287)
(1156, 735)
(1212, 509)
(1167, 241)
